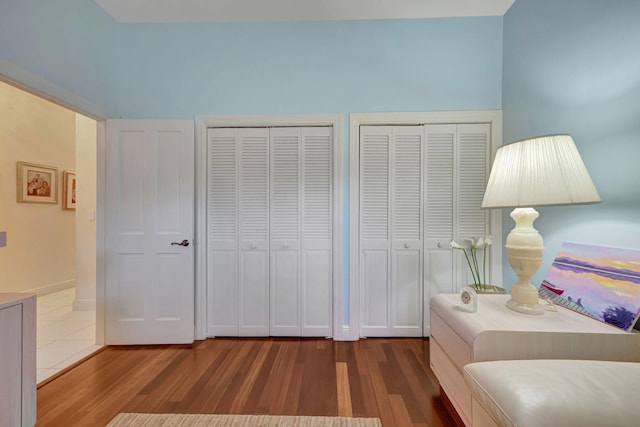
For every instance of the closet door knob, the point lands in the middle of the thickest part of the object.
(253, 246)
(406, 245)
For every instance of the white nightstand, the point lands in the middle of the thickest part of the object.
(496, 333)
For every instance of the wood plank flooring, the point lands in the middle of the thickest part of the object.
(385, 378)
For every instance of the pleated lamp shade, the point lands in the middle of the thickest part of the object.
(541, 171)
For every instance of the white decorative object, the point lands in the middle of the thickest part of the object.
(542, 171)
(468, 299)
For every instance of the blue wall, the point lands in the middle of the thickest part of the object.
(70, 45)
(180, 71)
(184, 70)
(573, 66)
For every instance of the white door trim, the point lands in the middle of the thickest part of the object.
(101, 227)
(200, 241)
(493, 117)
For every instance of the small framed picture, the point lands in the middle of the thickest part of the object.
(37, 183)
(68, 191)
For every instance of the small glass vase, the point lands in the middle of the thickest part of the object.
(488, 289)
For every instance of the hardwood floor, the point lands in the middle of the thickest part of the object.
(385, 378)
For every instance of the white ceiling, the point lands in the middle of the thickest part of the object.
(295, 10)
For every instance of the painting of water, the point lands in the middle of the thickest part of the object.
(598, 281)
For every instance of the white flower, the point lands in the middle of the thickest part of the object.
(477, 267)
(456, 245)
(477, 242)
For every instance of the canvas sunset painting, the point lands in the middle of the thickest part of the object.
(598, 281)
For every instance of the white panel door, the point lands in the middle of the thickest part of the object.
(316, 252)
(149, 200)
(285, 198)
(391, 230)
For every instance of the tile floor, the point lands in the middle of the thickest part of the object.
(64, 336)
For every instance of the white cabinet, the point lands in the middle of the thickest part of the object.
(18, 356)
(270, 231)
(496, 333)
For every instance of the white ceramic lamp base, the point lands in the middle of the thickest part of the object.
(524, 250)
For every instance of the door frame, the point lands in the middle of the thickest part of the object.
(45, 89)
(200, 239)
(493, 117)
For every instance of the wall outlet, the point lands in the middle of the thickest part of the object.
(3, 239)
(91, 215)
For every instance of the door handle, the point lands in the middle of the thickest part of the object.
(185, 243)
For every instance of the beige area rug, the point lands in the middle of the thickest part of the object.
(215, 420)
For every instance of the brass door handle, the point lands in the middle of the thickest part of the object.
(185, 243)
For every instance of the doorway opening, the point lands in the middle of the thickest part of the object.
(51, 247)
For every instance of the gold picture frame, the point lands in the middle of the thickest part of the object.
(68, 191)
(37, 183)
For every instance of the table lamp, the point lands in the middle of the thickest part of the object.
(540, 171)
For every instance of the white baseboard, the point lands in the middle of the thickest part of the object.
(53, 287)
(84, 305)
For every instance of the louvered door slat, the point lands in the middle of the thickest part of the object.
(374, 186)
(407, 186)
(254, 182)
(317, 186)
(222, 187)
(439, 181)
(472, 167)
(284, 186)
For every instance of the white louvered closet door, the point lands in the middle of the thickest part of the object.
(473, 166)
(317, 210)
(391, 230)
(270, 226)
(457, 159)
(222, 199)
(440, 200)
(253, 268)
(238, 232)
(285, 231)
(301, 225)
